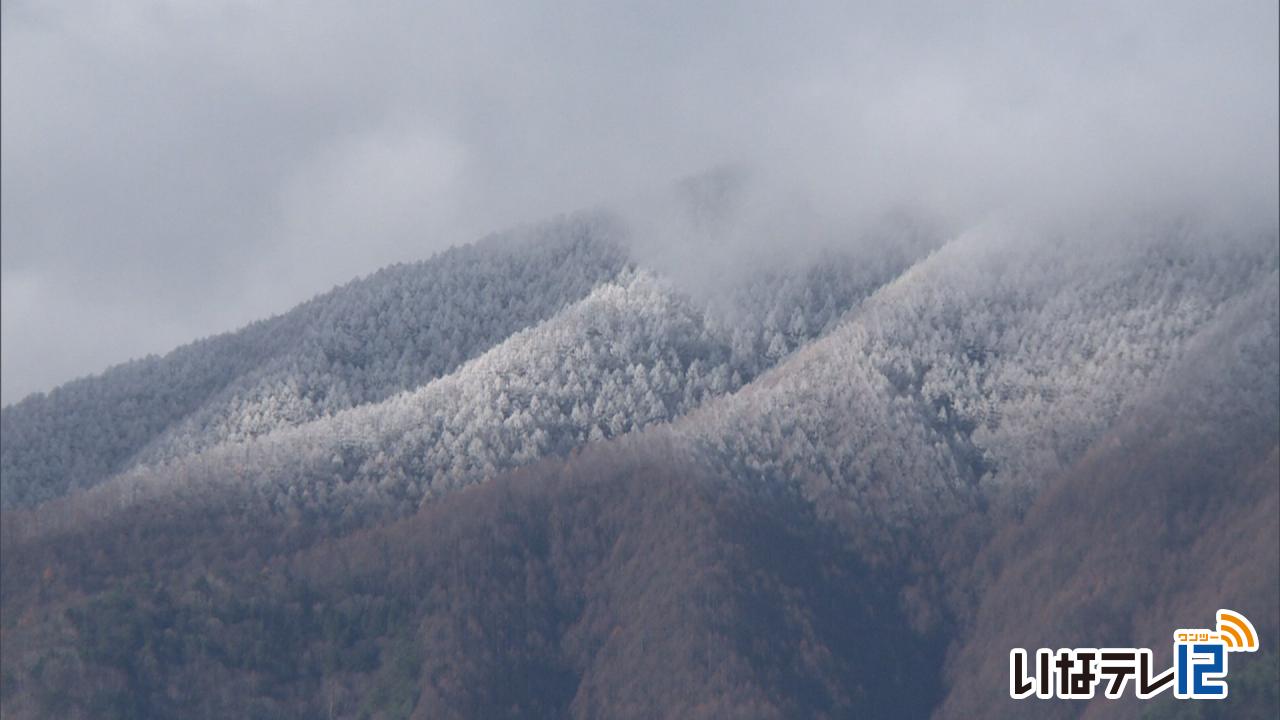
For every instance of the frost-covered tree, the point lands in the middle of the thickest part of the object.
(363, 342)
(981, 372)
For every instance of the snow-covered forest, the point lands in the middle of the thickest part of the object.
(873, 379)
(360, 343)
(981, 372)
(633, 352)
(404, 361)
(897, 402)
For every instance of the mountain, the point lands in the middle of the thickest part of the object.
(1168, 516)
(987, 367)
(359, 343)
(626, 356)
(543, 476)
(618, 584)
(634, 351)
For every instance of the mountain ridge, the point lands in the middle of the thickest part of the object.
(584, 518)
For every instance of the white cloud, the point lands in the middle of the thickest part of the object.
(362, 201)
(176, 154)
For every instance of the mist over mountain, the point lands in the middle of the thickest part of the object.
(728, 360)
(172, 172)
(845, 440)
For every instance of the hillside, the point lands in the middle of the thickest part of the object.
(620, 584)
(1187, 479)
(982, 371)
(640, 360)
(359, 343)
(821, 494)
(628, 355)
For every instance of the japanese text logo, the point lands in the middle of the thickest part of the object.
(1199, 669)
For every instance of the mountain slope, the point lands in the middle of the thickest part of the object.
(359, 343)
(648, 356)
(1167, 517)
(628, 355)
(983, 370)
(610, 513)
(618, 584)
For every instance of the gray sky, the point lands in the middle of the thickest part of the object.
(175, 169)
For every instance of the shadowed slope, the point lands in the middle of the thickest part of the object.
(625, 583)
(1167, 518)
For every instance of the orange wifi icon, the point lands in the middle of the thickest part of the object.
(1236, 631)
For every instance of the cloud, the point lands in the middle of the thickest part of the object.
(172, 169)
(366, 200)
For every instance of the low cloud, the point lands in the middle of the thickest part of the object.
(173, 169)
